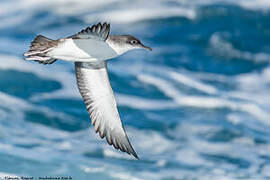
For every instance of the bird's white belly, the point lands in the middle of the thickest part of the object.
(83, 50)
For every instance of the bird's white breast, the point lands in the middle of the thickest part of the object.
(83, 50)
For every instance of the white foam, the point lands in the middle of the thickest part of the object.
(246, 4)
(5, 176)
(151, 145)
(165, 87)
(69, 88)
(253, 87)
(124, 176)
(182, 76)
(143, 103)
(125, 12)
(13, 20)
(192, 83)
(13, 102)
(266, 170)
(131, 15)
(11, 46)
(93, 169)
(204, 102)
(255, 4)
(221, 47)
(115, 154)
(18, 105)
(56, 72)
(233, 119)
(91, 11)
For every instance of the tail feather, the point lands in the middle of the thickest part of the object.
(39, 48)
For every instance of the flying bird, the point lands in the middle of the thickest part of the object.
(90, 49)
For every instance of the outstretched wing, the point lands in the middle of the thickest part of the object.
(94, 86)
(97, 32)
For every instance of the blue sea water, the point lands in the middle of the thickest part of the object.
(195, 108)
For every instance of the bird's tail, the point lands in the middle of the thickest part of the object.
(39, 48)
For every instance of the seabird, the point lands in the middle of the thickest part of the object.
(90, 49)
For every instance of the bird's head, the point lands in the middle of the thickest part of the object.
(124, 43)
(134, 43)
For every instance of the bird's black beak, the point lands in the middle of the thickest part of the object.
(145, 47)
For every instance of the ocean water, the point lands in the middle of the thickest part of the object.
(195, 108)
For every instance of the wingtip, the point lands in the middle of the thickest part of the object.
(135, 155)
(126, 147)
(131, 150)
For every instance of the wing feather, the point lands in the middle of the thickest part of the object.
(94, 86)
(98, 32)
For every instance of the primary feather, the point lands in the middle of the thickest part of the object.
(94, 86)
(98, 32)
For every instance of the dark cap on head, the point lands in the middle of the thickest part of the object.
(136, 42)
(131, 40)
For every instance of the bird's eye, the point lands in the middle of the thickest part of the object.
(134, 41)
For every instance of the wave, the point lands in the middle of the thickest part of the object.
(205, 102)
(3, 175)
(257, 5)
(69, 90)
(157, 150)
(143, 103)
(193, 83)
(238, 143)
(221, 47)
(141, 14)
(92, 11)
(57, 72)
(125, 12)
